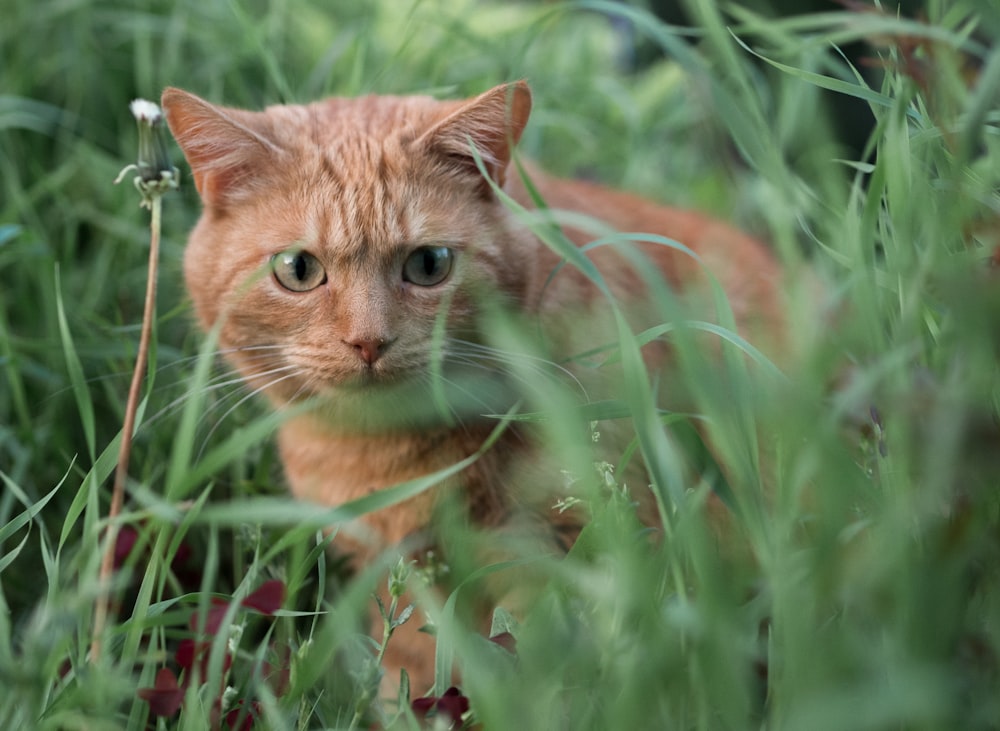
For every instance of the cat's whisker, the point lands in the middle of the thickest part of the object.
(464, 389)
(519, 362)
(231, 350)
(494, 371)
(161, 368)
(217, 383)
(475, 362)
(308, 387)
(192, 359)
(284, 370)
(288, 372)
(122, 376)
(268, 350)
(457, 416)
(540, 366)
(488, 351)
(495, 368)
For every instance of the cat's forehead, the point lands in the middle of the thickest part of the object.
(373, 119)
(360, 180)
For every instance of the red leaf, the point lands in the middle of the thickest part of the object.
(251, 712)
(165, 697)
(216, 613)
(279, 677)
(452, 704)
(506, 641)
(422, 706)
(213, 618)
(124, 544)
(181, 557)
(187, 651)
(268, 598)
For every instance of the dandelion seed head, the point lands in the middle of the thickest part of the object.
(145, 111)
(155, 175)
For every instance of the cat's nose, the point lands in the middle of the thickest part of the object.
(369, 349)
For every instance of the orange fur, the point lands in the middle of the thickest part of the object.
(361, 184)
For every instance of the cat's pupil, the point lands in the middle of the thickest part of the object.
(297, 271)
(430, 261)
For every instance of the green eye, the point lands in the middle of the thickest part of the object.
(428, 265)
(297, 270)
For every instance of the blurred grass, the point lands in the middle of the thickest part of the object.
(872, 600)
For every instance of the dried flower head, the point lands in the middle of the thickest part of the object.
(155, 173)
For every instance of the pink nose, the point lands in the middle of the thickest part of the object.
(369, 349)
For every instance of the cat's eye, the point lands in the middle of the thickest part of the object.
(428, 265)
(297, 270)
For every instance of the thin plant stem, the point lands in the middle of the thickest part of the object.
(125, 450)
(369, 692)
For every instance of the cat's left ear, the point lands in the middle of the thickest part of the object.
(226, 148)
(492, 122)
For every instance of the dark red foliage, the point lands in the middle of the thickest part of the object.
(452, 704)
(182, 556)
(190, 652)
(216, 613)
(268, 598)
(187, 652)
(124, 544)
(213, 618)
(506, 641)
(127, 541)
(422, 706)
(165, 697)
(244, 715)
(279, 677)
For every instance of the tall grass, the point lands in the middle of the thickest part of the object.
(855, 585)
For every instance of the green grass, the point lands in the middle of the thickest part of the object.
(863, 592)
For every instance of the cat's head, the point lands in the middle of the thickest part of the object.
(337, 236)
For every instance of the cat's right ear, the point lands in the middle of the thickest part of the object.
(223, 146)
(491, 123)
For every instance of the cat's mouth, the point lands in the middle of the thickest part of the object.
(383, 398)
(325, 378)
(368, 378)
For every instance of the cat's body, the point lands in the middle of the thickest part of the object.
(377, 210)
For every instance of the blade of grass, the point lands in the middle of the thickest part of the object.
(80, 390)
(26, 517)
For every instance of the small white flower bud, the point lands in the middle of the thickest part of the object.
(155, 173)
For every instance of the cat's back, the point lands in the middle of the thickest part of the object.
(696, 244)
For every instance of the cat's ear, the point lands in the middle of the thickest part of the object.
(492, 122)
(226, 148)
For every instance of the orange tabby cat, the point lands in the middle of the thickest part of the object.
(350, 250)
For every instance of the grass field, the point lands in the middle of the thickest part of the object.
(858, 586)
